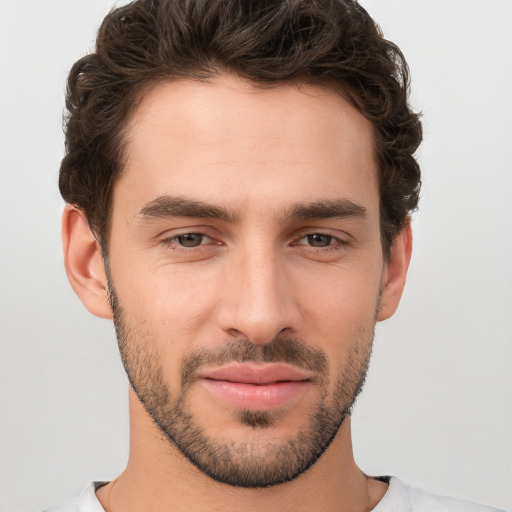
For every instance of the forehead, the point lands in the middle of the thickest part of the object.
(229, 140)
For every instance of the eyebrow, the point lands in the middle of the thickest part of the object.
(338, 208)
(169, 206)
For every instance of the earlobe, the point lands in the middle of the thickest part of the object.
(394, 274)
(84, 263)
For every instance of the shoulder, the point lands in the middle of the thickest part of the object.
(402, 498)
(423, 501)
(86, 501)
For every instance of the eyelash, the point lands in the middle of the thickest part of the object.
(338, 245)
(171, 243)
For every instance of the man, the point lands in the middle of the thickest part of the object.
(239, 178)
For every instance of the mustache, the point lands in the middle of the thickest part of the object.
(279, 350)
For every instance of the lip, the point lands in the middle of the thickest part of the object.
(258, 374)
(252, 386)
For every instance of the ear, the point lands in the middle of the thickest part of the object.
(394, 273)
(84, 263)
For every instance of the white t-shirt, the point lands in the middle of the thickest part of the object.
(398, 498)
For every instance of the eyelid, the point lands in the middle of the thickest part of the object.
(339, 243)
(180, 229)
(170, 242)
(333, 233)
(327, 235)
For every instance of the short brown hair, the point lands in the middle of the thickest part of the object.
(331, 42)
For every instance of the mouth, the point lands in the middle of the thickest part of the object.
(256, 387)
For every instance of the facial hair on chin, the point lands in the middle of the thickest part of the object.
(242, 464)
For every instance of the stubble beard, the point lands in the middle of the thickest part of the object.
(251, 463)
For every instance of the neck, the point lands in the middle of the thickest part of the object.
(159, 478)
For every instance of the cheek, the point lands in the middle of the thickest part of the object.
(342, 296)
(168, 294)
(339, 312)
(168, 309)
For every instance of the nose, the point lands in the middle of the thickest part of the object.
(258, 301)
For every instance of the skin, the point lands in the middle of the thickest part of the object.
(256, 153)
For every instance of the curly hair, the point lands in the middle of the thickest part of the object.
(326, 42)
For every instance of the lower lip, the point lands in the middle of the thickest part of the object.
(257, 397)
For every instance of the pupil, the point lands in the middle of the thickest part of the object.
(190, 239)
(319, 240)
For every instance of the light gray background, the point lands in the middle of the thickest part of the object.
(437, 409)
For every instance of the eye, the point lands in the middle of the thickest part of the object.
(318, 240)
(185, 242)
(190, 239)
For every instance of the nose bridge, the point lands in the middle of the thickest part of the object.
(258, 305)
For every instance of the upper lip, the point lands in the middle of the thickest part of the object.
(254, 373)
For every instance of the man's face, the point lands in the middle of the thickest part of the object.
(246, 265)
